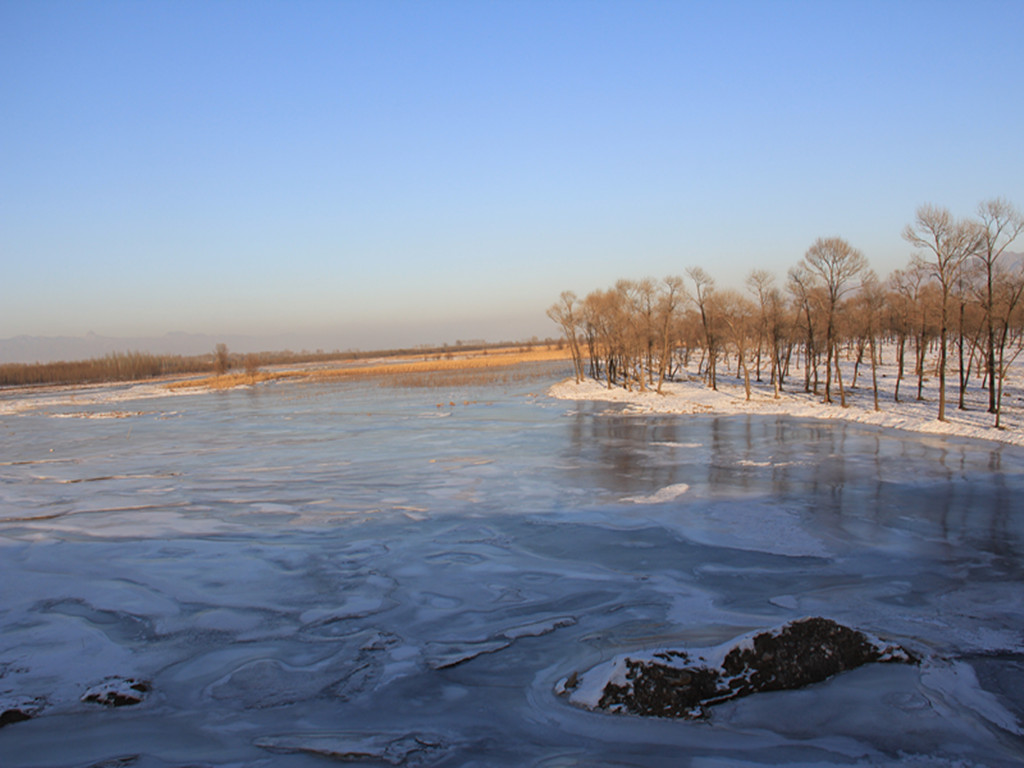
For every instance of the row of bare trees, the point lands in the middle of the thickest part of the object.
(117, 366)
(961, 292)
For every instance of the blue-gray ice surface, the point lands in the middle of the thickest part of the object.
(302, 571)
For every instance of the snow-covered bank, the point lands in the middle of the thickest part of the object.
(690, 395)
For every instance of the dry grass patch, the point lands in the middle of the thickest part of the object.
(464, 377)
(232, 380)
(490, 366)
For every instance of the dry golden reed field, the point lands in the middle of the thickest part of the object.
(452, 368)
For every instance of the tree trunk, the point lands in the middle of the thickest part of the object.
(991, 350)
(900, 356)
(839, 380)
(920, 366)
(746, 374)
(999, 387)
(874, 371)
(857, 362)
(942, 361)
(963, 368)
(829, 357)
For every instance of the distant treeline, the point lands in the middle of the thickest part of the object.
(962, 295)
(118, 366)
(134, 366)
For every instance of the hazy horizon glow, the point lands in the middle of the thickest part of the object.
(342, 167)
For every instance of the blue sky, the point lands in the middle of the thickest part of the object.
(385, 173)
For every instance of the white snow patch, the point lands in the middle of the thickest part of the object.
(759, 528)
(956, 681)
(51, 398)
(668, 493)
(691, 396)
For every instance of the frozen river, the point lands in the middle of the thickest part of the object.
(305, 569)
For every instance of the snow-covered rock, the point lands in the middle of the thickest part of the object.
(675, 683)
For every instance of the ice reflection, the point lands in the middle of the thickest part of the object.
(840, 474)
(301, 566)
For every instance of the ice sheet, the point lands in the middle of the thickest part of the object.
(308, 569)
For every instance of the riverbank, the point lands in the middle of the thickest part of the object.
(689, 395)
(536, 365)
(399, 370)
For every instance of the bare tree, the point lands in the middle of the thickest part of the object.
(739, 314)
(771, 325)
(603, 310)
(904, 302)
(760, 282)
(673, 293)
(645, 299)
(949, 242)
(1009, 299)
(780, 338)
(801, 286)
(633, 331)
(836, 263)
(970, 324)
(221, 359)
(704, 287)
(872, 300)
(565, 314)
(1001, 224)
(252, 365)
(590, 323)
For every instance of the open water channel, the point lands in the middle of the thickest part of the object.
(303, 570)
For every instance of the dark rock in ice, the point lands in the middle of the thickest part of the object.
(18, 709)
(9, 716)
(662, 691)
(800, 654)
(675, 684)
(118, 692)
(393, 748)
